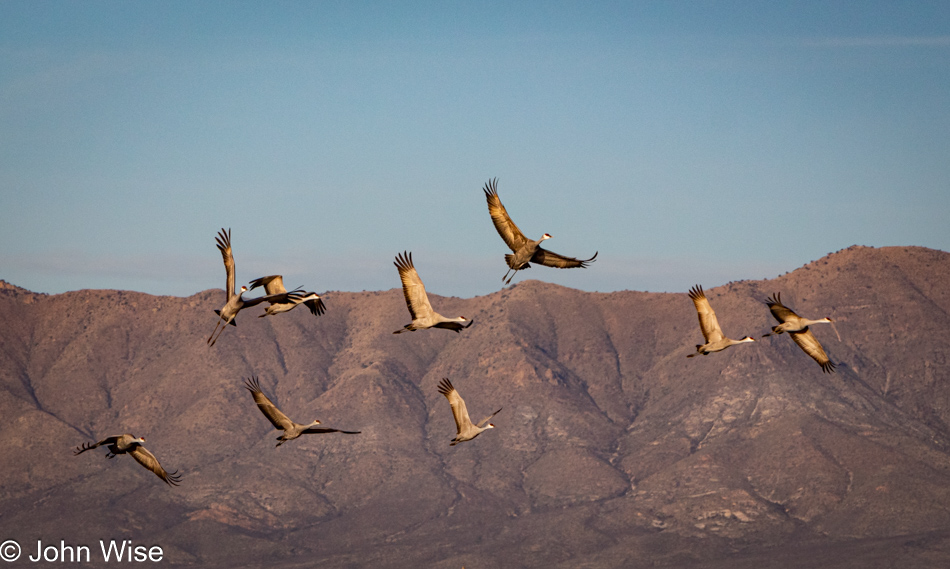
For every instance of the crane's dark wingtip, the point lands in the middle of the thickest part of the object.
(445, 386)
(404, 261)
(696, 292)
(776, 298)
(490, 188)
(172, 478)
(223, 239)
(252, 384)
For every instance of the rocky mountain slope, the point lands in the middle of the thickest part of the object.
(612, 449)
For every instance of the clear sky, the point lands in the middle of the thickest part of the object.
(687, 142)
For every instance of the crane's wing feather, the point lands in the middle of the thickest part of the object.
(707, 317)
(510, 234)
(280, 297)
(459, 411)
(273, 284)
(223, 241)
(457, 326)
(486, 419)
(87, 446)
(267, 407)
(316, 305)
(781, 312)
(809, 344)
(549, 259)
(319, 430)
(148, 460)
(412, 288)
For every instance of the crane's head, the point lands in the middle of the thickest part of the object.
(315, 422)
(545, 236)
(747, 339)
(243, 289)
(490, 426)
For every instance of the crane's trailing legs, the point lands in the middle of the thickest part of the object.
(220, 323)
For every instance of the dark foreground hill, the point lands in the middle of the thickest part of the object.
(612, 449)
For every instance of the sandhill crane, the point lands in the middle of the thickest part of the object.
(128, 444)
(525, 250)
(797, 328)
(715, 340)
(234, 302)
(274, 286)
(463, 424)
(418, 301)
(291, 429)
(791, 322)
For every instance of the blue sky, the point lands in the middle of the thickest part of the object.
(687, 142)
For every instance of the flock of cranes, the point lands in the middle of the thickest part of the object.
(524, 252)
(795, 325)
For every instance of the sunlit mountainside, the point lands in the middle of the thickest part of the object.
(612, 448)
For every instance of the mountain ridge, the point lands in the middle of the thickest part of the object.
(612, 447)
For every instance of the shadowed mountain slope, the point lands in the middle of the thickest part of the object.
(612, 449)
